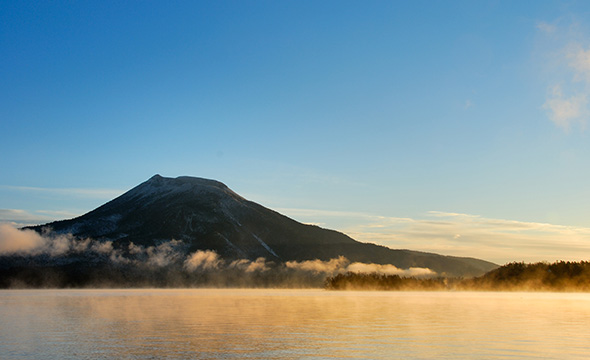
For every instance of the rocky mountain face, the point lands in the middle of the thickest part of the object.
(207, 215)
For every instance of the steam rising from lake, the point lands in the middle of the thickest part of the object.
(173, 257)
(19, 242)
(203, 260)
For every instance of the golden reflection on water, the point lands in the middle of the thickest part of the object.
(288, 324)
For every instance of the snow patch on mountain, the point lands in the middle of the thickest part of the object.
(265, 245)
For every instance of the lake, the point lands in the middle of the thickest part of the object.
(291, 324)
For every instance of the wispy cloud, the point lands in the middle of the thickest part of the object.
(567, 97)
(497, 240)
(546, 27)
(566, 111)
(19, 217)
(458, 234)
(579, 61)
(78, 192)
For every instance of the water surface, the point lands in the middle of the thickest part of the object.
(291, 324)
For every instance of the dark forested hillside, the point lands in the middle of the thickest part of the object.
(517, 276)
(541, 276)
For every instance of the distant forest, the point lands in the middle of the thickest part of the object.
(101, 273)
(104, 274)
(517, 276)
(558, 276)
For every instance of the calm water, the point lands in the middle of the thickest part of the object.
(291, 324)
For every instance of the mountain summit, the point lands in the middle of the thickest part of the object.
(207, 215)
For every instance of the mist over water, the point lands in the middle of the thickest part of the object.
(167, 264)
(288, 324)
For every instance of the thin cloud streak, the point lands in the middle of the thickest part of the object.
(19, 217)
(449, 233)
(80, 192)
(496, 240)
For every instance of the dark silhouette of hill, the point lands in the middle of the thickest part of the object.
(517, 276)
(541, 276)
(207, 215)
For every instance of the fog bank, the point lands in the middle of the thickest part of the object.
(28, 257)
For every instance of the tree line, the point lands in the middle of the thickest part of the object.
(516, 276)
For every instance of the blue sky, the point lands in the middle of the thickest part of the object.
(456, 127)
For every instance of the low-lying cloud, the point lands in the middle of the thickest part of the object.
(20, 242)
(174, 257)
(343, 265)
(203, 260)
(319, 266)
(259, 265)
(24, 242)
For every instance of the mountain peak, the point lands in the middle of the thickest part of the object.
(206, 215)
(183, 180)
(159, 185)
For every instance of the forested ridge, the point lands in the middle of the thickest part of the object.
(516, 276)
(541, 276)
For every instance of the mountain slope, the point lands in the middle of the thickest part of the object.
(207, 215)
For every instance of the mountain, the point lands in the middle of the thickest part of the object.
(207, 215)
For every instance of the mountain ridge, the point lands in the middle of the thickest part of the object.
(207, 215)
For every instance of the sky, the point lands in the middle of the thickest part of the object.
(454, 127)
